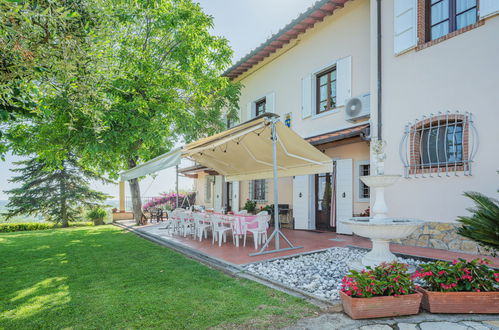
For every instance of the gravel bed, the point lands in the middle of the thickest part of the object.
(318, 273)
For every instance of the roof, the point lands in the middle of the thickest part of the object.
(306, 20)
(362, 130)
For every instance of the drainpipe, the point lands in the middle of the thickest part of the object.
(378, 3)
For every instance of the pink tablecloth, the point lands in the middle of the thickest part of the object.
(238, 220)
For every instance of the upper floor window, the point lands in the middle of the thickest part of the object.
(446, 16)
(439, 144)
(260, 107)
(326, 90)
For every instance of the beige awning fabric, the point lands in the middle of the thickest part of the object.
(245, 152)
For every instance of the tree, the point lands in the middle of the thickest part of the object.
(41, 41)
(57, 194)
(165, 84)
(482, 226)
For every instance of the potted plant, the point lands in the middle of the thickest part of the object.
(250, 206)
(384, 291)
(97, 215)
(460, 287)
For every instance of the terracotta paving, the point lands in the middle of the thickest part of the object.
(308, 240)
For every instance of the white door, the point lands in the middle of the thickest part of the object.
(235, 196)
(301, 201)
(344, 201)
(218, 192)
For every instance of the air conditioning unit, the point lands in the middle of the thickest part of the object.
(357, 108)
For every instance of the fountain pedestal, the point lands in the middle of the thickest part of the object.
(380, 229)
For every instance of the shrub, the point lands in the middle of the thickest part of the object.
(97, 215)
(387, 279)
(29, 226)
(461, 275)
(482, 226)
(250, 206)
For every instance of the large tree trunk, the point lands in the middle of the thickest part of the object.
(135, 192)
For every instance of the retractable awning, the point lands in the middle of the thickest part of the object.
(157, 164)
(245, 152)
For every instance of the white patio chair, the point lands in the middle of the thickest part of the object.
(259, 232)
(220, 227)
(170, 222)
(186, 223)
(202, 225)
(263, 213)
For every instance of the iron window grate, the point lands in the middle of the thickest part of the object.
(439, 144)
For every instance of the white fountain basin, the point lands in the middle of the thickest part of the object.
(381, 231)
(376, 181)
(387, 228)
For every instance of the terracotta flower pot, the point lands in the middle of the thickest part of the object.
(386, 306)
(460, 302)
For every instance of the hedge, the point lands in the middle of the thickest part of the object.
(27, 226)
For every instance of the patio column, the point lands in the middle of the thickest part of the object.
(122, 196)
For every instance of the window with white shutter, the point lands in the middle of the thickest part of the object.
(489, 8)
(405, 25)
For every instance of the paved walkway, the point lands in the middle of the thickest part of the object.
(423, 321)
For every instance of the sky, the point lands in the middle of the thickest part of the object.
(246, 24)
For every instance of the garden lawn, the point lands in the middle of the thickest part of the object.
(103, 277)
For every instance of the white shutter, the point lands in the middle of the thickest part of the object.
(489, 8)
(217, 199)
(249, 111)
(235, 196)
(343, 80)
(301, 201)
(344, 202)
(270, 102)
(306, 96)
(404, 25)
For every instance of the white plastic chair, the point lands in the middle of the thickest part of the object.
(202, 225)
(263, 213)
(186, 223)
(259, 232)
(219, 229)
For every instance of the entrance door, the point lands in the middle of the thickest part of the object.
(323, 194)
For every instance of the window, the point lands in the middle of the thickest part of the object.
(441, 144)
(363, 188)
(326, 90)
(258, 190)
(446, 16)
(260, 107)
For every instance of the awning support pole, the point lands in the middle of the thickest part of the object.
(176, 185)
(277, 234)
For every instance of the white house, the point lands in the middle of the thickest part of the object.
(426, 80)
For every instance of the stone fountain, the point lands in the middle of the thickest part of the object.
(380, 228)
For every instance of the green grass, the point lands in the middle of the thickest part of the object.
(103, 277)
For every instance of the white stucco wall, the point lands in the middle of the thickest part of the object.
(461, 73)
(345, 33)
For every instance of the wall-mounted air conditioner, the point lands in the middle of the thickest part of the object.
(357, 108)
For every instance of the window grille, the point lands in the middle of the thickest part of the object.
(441, 144)
(258, 190)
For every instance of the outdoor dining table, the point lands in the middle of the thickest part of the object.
(237, 221)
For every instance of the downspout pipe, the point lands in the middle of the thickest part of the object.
(378, 33)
